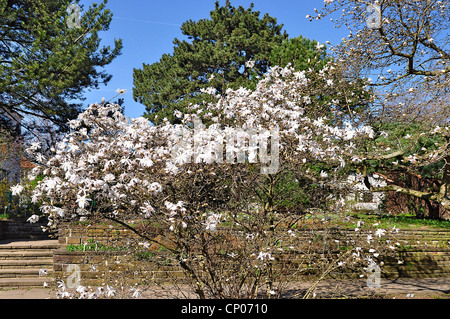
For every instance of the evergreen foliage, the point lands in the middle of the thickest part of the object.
(44, 63)
(215, 55)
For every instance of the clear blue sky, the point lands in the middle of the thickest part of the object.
(148, 27)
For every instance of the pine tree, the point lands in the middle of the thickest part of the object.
(215, 55)
(300, 52)
(46, 62)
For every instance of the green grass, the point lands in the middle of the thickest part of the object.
(412, 221)
(403, 221)
(145, 255)
(92, 247)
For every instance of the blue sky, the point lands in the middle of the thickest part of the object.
(148, 27)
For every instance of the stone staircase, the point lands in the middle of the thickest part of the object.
(25, 251)
(22, 261)
(425, 254)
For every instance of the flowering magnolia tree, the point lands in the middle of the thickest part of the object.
(211, 192)
(403, 46)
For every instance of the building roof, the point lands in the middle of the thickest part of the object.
(26, 164)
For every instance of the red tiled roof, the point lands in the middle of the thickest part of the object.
(26, 164)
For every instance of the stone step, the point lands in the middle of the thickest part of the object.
(418, 262)
(35, 282)
(29, 245)
(21, 261)
(416, 274)
(401, 272)
(25, 235)
(27, 254)
(27, 263)
(413, 242)
(425, 258)
(423, 254)
(429, 241)
(23, 273)
(426, 261)
(424, 249)
(420, 241)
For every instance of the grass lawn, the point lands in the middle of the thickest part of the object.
(405, 221)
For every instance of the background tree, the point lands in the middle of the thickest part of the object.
(300, 52)
(44, 63)
(406, 51)
(311, 56)
(406, 54)
(217, 54)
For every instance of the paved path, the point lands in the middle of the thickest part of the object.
(400, 288)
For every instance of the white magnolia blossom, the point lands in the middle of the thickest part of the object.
(121, 91)
(212, 221)
(17, 189)
(33, 219)
(264, 256)
(380, 232)
(147, 210)
(119, 164)
(109, 166)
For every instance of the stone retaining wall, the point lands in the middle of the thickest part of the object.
(425, 253)
(101, 268)
(105, 233)
(2, 229)
(20, 228)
